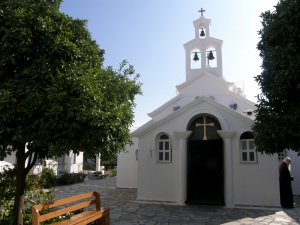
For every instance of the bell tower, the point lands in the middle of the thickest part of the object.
(203, 53)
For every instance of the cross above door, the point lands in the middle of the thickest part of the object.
(204, 124)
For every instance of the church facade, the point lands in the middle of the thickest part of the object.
(198, 147)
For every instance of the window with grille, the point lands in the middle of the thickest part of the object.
(248, 153)
(247, 147)
(281, 156)
(164, 149)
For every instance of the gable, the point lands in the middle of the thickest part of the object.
(204, 84)
(202, 104)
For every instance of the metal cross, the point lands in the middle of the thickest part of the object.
(204, 126)
(202, 11)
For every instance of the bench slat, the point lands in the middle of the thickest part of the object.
(101, 215)
(65, 201)
(85, 217)
(66, 210)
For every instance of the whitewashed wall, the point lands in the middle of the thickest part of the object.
(78, 165)
(295, 171)
(253, 184)
(157, 181)
(127, 167)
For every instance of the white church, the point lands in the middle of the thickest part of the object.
(198, 147)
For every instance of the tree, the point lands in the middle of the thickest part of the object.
(277, 123)
(55, 94)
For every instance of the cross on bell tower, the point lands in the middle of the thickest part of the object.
(202, 11)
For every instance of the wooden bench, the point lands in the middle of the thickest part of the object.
(100, 214)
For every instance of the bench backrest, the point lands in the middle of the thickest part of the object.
(37, 218)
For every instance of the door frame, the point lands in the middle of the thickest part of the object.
(220, 191)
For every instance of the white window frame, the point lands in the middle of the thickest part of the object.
(248, 151)
(281, 156)
(161, 149)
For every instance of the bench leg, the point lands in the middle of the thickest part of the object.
(103, 220)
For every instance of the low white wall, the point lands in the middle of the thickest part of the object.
(127, 165)
(5, 164)
(78, 166)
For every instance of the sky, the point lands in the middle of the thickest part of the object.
(150, 36)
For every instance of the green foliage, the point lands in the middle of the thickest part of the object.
(33, 181)
(7, 181)
(55, 94)
(110, 173)
(34, 195)
(48, 178)
(110, 161)
(89, 166)
(7, 191)
(277, 124)
(66, 178)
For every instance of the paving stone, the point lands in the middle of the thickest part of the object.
(282, 220)
(125, 212)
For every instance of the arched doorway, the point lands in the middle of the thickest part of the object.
(205, 162)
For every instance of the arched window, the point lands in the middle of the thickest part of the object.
(202, 31)
(164, 149)
(248, 153)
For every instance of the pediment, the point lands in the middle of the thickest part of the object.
(191, 106)
(164, 106)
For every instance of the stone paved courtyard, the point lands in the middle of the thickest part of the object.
(125, 212)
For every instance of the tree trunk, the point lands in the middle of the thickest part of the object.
(21, 172)
(20, 185)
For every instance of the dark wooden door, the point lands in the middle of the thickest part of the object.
(205, 172)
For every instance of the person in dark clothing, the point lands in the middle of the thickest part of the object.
(285, 184)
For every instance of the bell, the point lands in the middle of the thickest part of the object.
(210, 56)
(195, 57)
(202, 34)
